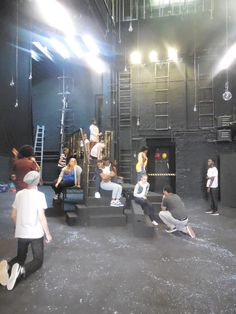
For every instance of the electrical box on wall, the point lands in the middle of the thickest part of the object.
(224, 135)
(223, 121)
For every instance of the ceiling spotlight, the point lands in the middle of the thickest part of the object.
(153, 56)
(135, 57)
(172, 54)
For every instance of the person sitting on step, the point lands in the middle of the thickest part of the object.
(140, 196)
(107, 185)
(97, 178)
(69, 176)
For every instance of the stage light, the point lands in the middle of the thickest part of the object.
(153, 57)
(34, 55)
(172, 54)
(43, 49)
(74, 46)
(95, 63)
(164, 155)
(90, 44)
(60, 48)
(158, 155)
(135, 57)
(57, 16)
(228, 58)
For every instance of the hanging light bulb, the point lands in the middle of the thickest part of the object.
(195, 108)
(138, 121)
(125, 69)
(16, 104)
(12, 83)
(30, 76)
(130, 27)
(227, 95)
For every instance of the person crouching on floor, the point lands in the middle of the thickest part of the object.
(173, 213)
(30, 228)
(106, 184)
(69, 176)
(140, 196)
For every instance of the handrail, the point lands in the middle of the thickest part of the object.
(85, 167)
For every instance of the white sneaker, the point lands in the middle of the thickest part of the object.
(56, 197)
(4, 277)
(113, 203)
(119, 204)
(154, 223)
(15, 273)
(97, 195)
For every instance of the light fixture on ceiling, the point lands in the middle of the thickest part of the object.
(135, 57)
(131, 16)
(130, 27)
(227, 95)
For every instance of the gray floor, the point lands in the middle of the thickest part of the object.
(108, 270)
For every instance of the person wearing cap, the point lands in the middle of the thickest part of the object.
(30, 228)
(24, 163)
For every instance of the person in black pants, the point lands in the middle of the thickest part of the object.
(140, 196)
(212, 187)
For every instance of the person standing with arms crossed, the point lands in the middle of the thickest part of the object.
(212, 187)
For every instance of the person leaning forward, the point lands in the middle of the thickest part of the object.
(174, 214)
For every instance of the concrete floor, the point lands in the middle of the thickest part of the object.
(109, 271)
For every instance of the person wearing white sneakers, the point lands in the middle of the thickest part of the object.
(30, 228)
(140, 196)
(212, 187)
(106, 184)
(173, 213)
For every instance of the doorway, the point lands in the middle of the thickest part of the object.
(161, 164)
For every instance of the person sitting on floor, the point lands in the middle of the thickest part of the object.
(173, 213)
(107, 185)
(140, 196)
(69, 176)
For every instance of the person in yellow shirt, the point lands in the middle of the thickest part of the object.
(142, 162)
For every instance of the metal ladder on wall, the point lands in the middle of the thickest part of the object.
(39, 146)
(125, 126)
(162, 77)
(206, 104)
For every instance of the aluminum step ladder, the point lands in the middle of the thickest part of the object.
(39, 146)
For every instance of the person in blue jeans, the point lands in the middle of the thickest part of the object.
(69, 176)
(30, 228)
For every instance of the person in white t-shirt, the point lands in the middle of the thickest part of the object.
(30, 228)
(96, 151)
(212, 187)
(94, 133)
